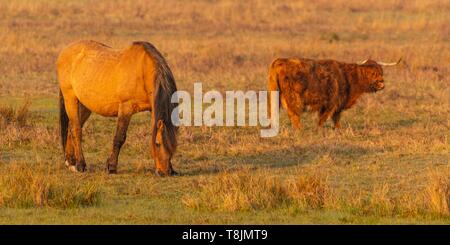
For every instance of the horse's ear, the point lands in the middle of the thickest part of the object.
(160, 124)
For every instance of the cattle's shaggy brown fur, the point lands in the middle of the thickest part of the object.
(326, 86)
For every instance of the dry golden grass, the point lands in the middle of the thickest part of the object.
(238, 191)
(437, 193)
(389, 161)
(25, 186)
(309, 191)
(250, 190)
(11, 115)
(219, 42)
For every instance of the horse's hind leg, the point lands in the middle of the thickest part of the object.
(124, 117)
(84, 114)
(75, 132)
(69, 151)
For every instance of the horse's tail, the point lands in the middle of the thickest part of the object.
(273, 84)
(164, 88)
(63, 121)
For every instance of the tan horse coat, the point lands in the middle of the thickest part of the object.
(116, 83)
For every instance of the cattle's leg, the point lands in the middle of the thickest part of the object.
(293, 115)
(84, 114)
(336, 118)
(272, 86)
(124, 117)
(324, 114)
(75, 134)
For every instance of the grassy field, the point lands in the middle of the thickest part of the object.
(388, 164)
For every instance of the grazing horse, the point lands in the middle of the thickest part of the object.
(116, 83)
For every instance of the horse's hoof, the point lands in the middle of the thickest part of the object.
(67, 163)
(111, 169)
(163, 174)
(81, 167)
(73, 168)
(159, 173)
(77, 168)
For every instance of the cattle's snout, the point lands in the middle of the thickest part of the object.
(378, 85)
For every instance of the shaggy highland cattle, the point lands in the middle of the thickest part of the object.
(326, 86)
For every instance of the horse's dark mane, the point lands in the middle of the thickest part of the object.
(162, 108)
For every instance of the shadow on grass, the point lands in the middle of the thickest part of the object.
(295, 156)
(387, 125)
(401, 123)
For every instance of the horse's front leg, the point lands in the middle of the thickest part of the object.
(124, 117)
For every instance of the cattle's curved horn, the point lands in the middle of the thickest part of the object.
(363, 62)
(389, 64)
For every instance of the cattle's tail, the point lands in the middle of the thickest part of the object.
(273, 84)
(63, 121)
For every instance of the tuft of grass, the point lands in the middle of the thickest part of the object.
(309, 191)
(237, 191)
(437, 193)
(17, 116)
(25, 186)
(377, 201)
(253, 191)
(247, 190)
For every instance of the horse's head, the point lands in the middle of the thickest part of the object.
(163, 147)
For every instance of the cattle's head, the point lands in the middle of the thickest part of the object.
(372, 74)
